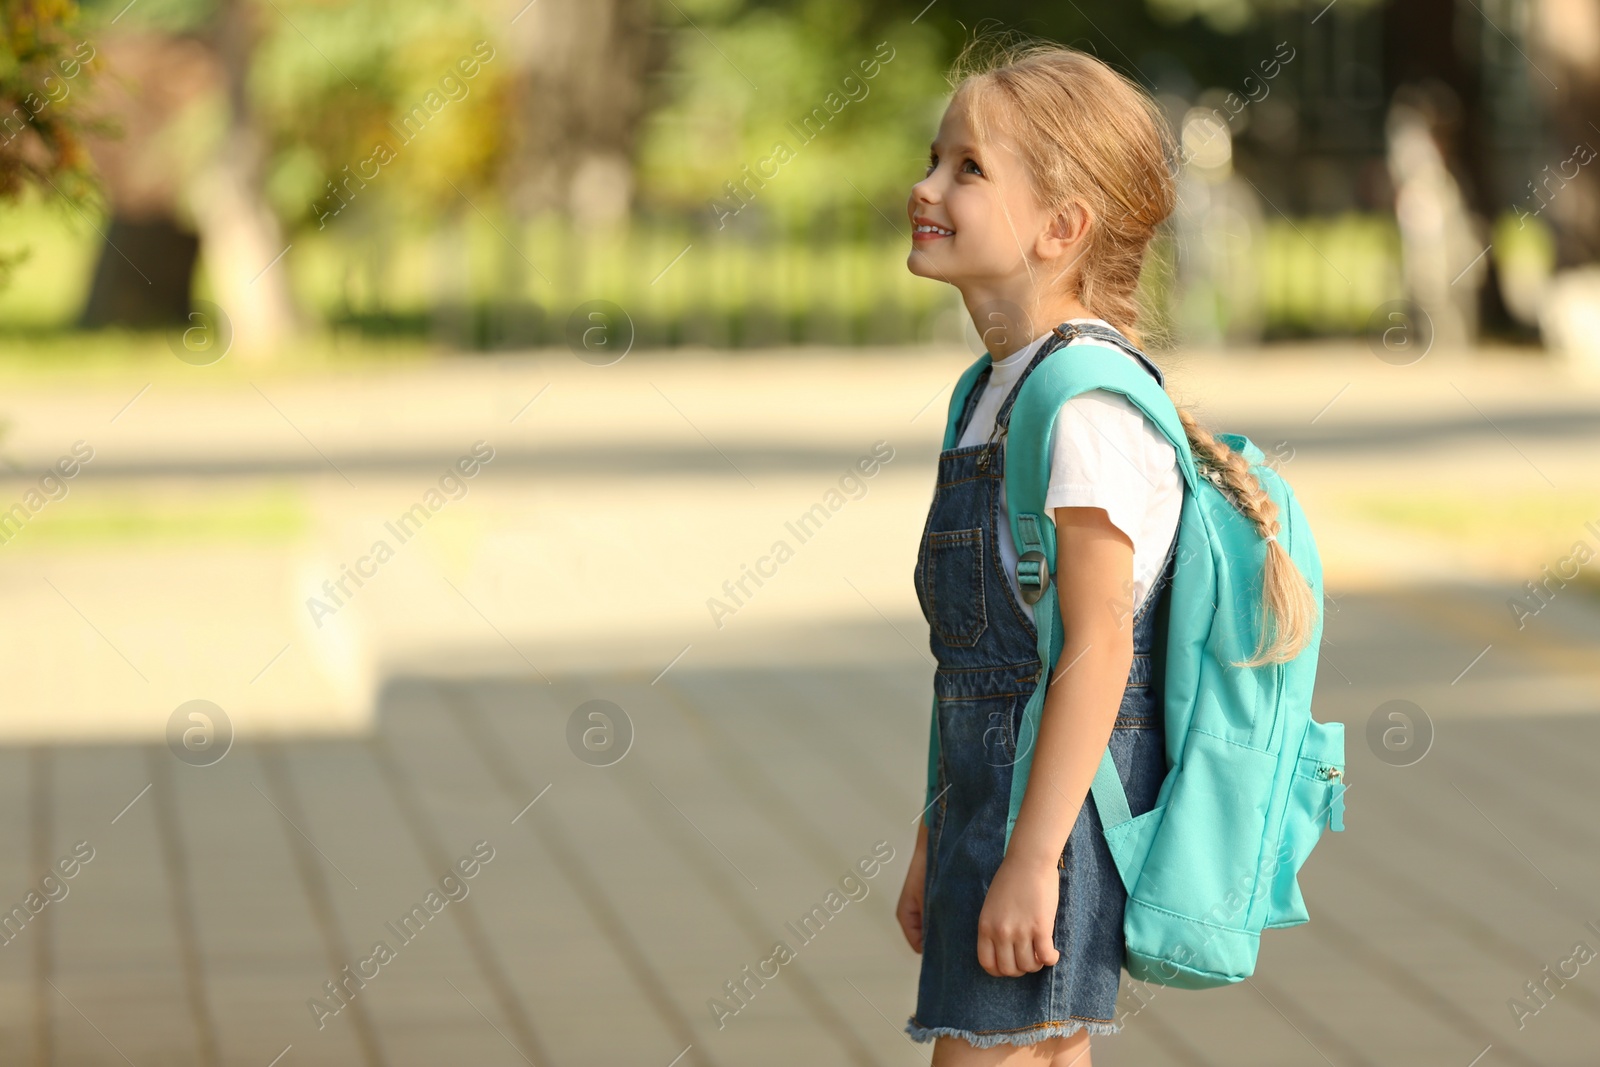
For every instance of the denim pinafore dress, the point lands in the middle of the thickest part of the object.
(988, 665)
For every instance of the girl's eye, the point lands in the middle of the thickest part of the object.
(975, 168)
(933, 161)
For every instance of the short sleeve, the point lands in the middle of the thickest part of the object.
(1103, 456)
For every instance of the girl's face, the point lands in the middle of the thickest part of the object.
(975, 220)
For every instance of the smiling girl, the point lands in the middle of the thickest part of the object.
(1045, 184)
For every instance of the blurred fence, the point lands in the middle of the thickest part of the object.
(488, 282)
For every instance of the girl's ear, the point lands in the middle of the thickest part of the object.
(1066, 231)
(1065, 239)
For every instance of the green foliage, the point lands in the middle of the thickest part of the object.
(169, 16)
(41, 65)
(1234, 16)
(42, 62)
(741, 90)
(340, 104)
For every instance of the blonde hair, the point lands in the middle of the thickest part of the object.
(1090, 136)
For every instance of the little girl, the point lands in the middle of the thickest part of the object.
(1047, 179)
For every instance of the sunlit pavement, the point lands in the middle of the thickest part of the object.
(763, 757)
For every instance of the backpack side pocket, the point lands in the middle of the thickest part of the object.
(1316, 800)
(1186, 921)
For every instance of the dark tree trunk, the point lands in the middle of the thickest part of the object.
(147, 256)
(143, 274)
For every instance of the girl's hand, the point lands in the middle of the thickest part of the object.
(909, 910)
(1016, 929)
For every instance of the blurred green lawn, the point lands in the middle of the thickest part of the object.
(1523, 531)
(224, 514)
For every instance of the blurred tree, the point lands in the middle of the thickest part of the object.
(147, 250)
(1566, 189)
(1167, 45)
(1567, 36)
(1430, 52)
(40, 123)
(388, 121)
(241, 235)
(715, 121)
(256, 119)
(579, 70)
(164, 59)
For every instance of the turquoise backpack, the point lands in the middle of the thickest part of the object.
(1252, 778)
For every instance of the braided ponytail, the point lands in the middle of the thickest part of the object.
(1286, 597)
(1091, 136)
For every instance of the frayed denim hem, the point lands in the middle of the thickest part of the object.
(1030, 1035)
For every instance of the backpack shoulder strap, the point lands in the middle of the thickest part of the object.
(958, 405)
(1029, 442)
(958, 398)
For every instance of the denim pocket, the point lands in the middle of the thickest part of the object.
(955, 586)
(977, 734)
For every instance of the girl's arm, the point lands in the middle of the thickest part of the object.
(1016, 929)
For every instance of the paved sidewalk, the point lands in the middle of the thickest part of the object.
(220, 899)
(437, 706)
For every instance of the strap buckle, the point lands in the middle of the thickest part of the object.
(1033, 576)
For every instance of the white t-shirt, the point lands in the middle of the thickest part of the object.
(1106, 454)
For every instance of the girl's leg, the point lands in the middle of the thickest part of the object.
(1069, 1051)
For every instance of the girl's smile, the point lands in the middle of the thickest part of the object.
(977, 224)
(956, 194)
(945, 200)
